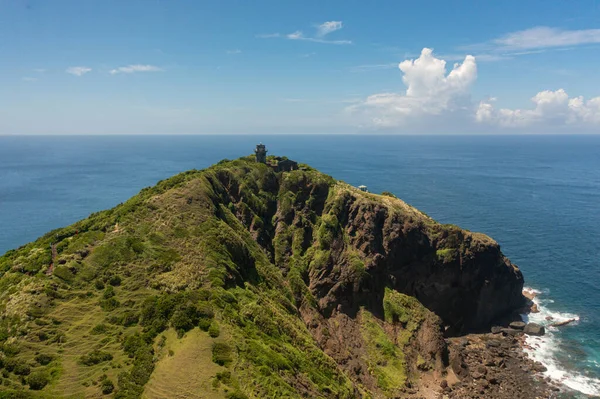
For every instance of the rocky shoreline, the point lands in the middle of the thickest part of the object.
(494, 366)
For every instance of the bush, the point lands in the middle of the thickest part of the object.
(22, 369)
(107, 386)
(99, 329)
(38, 380)
(115, 281)
(63, 273)
(109, 292)
(95, 357)
(130, 318)
(99, 285)
(10, 364)
(109, 304)
(133, 343)
(213, 330)
(204, 323)
(43, 358)
(221, 353)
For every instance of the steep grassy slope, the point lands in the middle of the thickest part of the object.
(239, 282)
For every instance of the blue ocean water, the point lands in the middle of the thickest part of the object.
(538, 196)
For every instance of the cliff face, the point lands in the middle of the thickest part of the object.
(286, 284)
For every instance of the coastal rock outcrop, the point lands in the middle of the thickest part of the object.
(534, 329)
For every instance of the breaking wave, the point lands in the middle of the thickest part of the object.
(546, 349)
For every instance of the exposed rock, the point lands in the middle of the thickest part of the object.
(511, 331)
(517, 325)
(563, 323)
(496, 329)
(534, 329)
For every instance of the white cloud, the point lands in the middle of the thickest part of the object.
(440, 101)
(328, 27)
(430, 92)
(295, 35)
(135, 68)
(543, 36)
(78, 70)
(235, 51)
(535, 40)
(551, 108)
(322, 30)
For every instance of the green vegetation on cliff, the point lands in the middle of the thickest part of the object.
(230, 282)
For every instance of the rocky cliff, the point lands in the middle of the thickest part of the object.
(242, 282)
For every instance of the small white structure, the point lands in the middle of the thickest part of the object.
(363, 188)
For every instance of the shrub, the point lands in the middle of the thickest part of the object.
(109, 292)
(109, 304)
(63, 273)
(38, 380)
(22, 369)
(204, 323)
(95, 357)
(99, 285)
(44, 358)
(133, 343)
(99, 329)
(115, 281)
(10, 364)
(213, 330)
(221, 353)
(130, 318)
(106, 386)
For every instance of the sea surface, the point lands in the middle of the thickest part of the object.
(538, 196)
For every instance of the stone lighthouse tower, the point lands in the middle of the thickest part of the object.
(261, 153)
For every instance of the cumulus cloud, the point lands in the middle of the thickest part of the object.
(135, 68)
(438, 99)
(78, 70)
(328, 27)
(430, 91)
(551, 108)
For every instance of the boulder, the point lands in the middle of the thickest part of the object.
(496, 330)
(511, 331)
(517, 325)
(534, 329)
(563, 323)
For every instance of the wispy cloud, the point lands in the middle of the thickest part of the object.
(233, 52)
(135, 68)
(322, 29)
(29, 79)
(544, 37)
(328, 27)
(39, 70)
(530, 41)
(78, 70)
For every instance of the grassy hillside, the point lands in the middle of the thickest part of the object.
(230, 282)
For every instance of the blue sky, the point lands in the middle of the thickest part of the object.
(192, 67)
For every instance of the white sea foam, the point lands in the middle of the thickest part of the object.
(544, 349)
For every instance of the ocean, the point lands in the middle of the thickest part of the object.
(538, 196)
